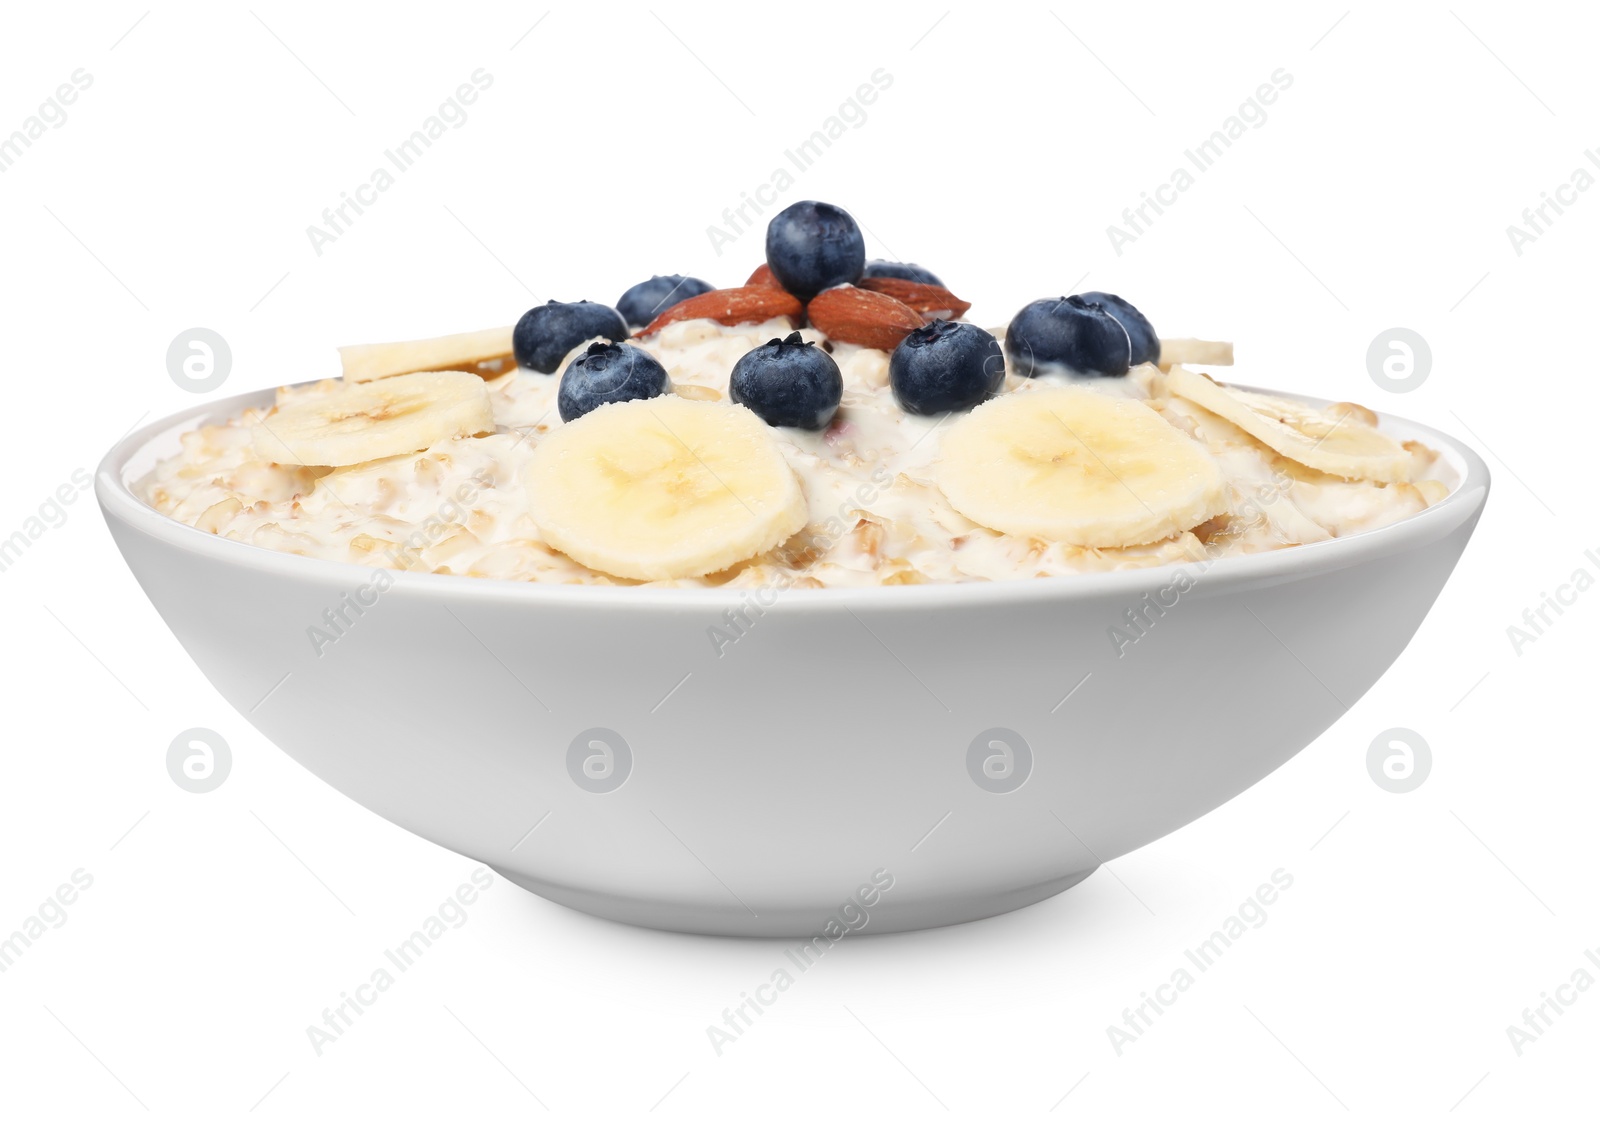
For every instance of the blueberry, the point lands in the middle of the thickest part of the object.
(946, 366)
(814, 246)
(788, 382)
(648, 299)
(547, 332)
(1068, 332)
(609, 372)
(904, 270)
(1146, 344)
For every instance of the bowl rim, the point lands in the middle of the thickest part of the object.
(1466, 498)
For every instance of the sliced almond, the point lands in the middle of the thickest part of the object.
(763, 278)
(848, 314)
(933, 301)
(752, 304)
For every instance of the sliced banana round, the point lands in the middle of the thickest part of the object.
(1338, 442)
(1075, 466)
(360, 421)
(486, 352)
(661, 488)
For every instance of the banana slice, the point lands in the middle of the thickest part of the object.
(1201, 352)
(356, 422)
(1075, 466)
(661, 488)
(486, 352)
(1339, 442)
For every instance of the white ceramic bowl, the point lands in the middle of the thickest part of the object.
(850, 734)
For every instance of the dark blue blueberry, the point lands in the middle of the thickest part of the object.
(946, 366)
(788, 382)
(1067, 332)
(1146, 344)
(814, 246)
(903, 270)
(648, 299)
(547, 332)
(609, 372)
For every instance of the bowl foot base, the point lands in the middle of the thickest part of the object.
(888, 915)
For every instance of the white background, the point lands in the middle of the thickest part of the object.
(1377, 194)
